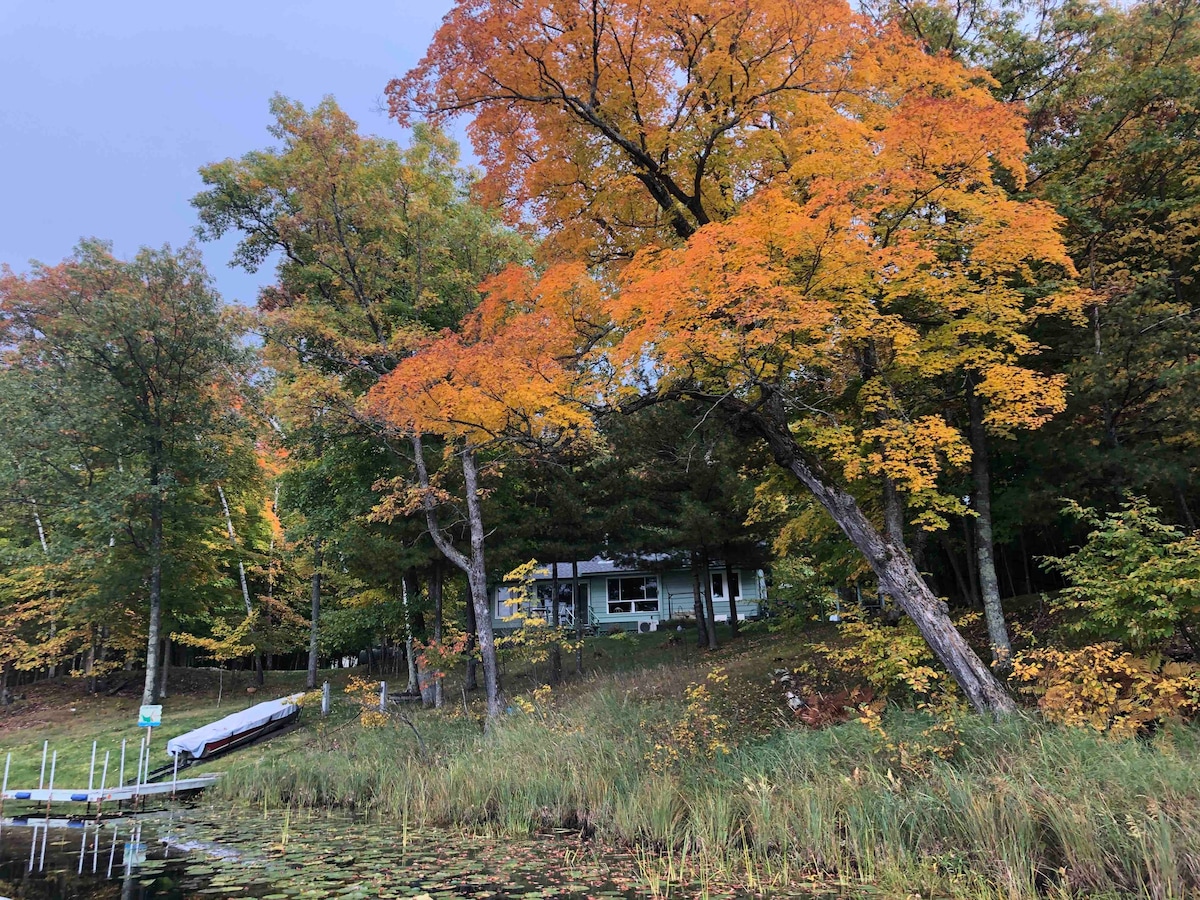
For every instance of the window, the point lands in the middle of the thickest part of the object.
(636, 594)
(718, 585)
(566, 602)
(507, 606)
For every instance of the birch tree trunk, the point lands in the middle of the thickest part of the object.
(892, 566)
(258, 660)
(313, 626)
(985, 553)
(473, 565)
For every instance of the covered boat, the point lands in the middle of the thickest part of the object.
(235, 730)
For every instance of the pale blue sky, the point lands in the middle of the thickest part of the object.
(107, 109)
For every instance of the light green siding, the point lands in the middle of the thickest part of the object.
(675, 598)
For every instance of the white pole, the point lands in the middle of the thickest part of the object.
(104, 771)
(42, 777)
(383, 696)
(82, 852)
(175, 776)
(50, 793)
(4, 786)
(121, 776)
(112, 850)
(92, 770)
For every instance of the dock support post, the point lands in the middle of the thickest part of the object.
(4, 787)
(175, 776)
(42, 777)
(50, 792)
(325, 699)
(121, 776)
(92, 769)
(103, 782)
(383, 696)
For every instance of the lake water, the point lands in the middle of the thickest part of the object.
(279, 857)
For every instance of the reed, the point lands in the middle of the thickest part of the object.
(1022, 810)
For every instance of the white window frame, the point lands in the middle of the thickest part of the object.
(633, 602)
(724, 595)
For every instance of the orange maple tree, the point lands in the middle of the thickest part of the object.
(799, 215)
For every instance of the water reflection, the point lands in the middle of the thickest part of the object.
(67, 858)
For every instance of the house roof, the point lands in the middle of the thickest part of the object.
(600, 566)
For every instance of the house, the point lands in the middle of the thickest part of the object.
(633, 596)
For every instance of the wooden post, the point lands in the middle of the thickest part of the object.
(383, 696)
(325, 699)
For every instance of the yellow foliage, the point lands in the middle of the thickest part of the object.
(1103, 687)
(699, 735)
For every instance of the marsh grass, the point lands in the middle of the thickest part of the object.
(1022, 810)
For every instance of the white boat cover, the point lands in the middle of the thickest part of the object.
(194, 742)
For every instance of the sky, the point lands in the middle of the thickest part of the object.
(108, 109)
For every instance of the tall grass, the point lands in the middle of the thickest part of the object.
(1022, 810)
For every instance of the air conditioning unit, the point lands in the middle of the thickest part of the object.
(645, 626)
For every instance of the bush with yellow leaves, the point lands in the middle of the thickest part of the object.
(895, 660)
(699, 735)
(1107, 688)
(366, 694)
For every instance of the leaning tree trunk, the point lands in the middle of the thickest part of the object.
(313, 626)
(989, 584)
(150, 689)
(893, 567)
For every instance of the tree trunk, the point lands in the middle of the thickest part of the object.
(698, 603)
(435, 597)
(892, 566)
(409, 579)
(581, 610)
(472, 565)
(985, 551)
(711, 621)
(729, 583)
(258, 662)
(972, 565)
(555, 649)
(150, 689)
(164, 667)
(960, 578)
(471, 675)
(314, 622)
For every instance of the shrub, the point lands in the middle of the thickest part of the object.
(1136, 580)
(1108, 689)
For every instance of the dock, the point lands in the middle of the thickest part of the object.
(112, 794)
